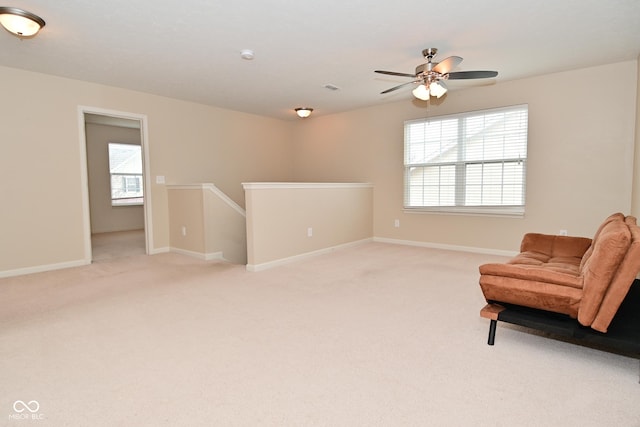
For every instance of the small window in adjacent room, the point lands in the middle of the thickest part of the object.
(125, 168)
(471, 162)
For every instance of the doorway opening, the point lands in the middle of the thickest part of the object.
(116, 184)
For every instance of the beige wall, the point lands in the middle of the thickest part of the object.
(580, 162)
(635, 208)
(186, 220)
(41, 217)
(105, 217)
(279, 216)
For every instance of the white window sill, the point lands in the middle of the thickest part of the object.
(127, 205)
(510, 212)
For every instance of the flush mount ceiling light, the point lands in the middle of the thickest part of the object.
(303, 112)
(20, 22)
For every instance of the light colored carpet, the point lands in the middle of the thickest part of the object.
(118, 244)
(373, 335)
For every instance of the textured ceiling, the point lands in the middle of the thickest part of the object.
(191, 49)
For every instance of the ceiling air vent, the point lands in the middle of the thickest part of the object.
(331, 87)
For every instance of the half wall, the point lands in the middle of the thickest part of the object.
(289, 220)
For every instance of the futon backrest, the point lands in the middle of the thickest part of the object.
(608, 249)
(613, 217)
(622, 281)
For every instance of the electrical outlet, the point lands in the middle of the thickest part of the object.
(564, 233)
(309, 232)
(396, 223)
(184, 231)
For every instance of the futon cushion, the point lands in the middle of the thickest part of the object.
(538, 273)
(548, 253)
(545, 275)
(555, 246)
(529, 292)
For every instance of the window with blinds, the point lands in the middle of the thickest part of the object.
(471, 162)
(125, 169)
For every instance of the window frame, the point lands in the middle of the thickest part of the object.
(460, 185)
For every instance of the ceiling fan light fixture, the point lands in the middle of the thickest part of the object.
(20, 22)
(421, 92)
(431, 74)
(437, 89)
(303, 112)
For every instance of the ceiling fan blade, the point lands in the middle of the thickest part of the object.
(397, 87)
(447, 64)
(463, 75)
(393, 73)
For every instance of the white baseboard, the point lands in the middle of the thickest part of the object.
(267, 265)
(199, 255)
(288, 260)
(446, 247)
(157, 251)
(43, 268)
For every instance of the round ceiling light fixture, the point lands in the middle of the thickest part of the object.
(20, 22)
(247, 54)
(303, 111)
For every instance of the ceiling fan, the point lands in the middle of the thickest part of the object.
(431, 75)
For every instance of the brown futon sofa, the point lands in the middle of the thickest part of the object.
(585, 279)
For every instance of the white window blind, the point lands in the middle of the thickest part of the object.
(125, 169)
(468, 162)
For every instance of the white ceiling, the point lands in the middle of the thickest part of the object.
(191, 49)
